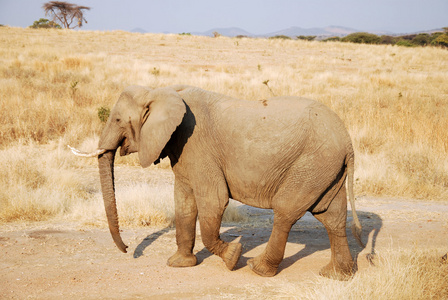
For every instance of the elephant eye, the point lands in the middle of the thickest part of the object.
(117, 120)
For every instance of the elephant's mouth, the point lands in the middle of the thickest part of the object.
(126, 147)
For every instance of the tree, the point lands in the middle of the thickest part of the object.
(422, 39)
(388, 40)
(441, 40)
(65, 13)
(280, 36)
(306, 37)
(405, 43)
(332, 39)
(362, 38)
(45, 23)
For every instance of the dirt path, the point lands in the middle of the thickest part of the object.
(62, 260)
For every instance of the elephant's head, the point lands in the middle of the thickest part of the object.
(142, 121)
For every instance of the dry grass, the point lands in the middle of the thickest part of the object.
(396, 275)
(41, 182)
(393, 100)
(35, 186)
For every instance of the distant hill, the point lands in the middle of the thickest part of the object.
(326, 31)
(230, 32)
(293, 32)
(140, 30)
(431, 31)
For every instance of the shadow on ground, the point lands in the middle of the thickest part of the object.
(307, 231)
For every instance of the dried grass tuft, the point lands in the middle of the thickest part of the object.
(402, 274)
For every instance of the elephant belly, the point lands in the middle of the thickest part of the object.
(255, 178)
(248, 190)
(255, 202)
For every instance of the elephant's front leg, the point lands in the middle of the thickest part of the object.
(211, 210)
(186, 214)
(229, 252)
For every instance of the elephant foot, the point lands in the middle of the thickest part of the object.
(179, 260)
(231, 255)
(260, 267)
(333, 272)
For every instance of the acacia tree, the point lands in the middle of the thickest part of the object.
(44, 23)
(65, 13)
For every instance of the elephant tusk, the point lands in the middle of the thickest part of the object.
(86, 154)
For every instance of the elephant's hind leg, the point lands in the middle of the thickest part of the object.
(266, 264)
(290, 204)
(186, 215)
(334, 220)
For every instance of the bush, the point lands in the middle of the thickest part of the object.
(284, 37)
(388, 40)
(332, 39)
(441, 40)
(421, 39)
(405, 43)
(103, 113)
(408, 37)
(306, 37)
(435, 35)
(362, 38)
(45, 23)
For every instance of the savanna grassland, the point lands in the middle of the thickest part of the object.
(394, 101)
(53, 83)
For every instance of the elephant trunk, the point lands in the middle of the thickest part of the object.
(106, 167)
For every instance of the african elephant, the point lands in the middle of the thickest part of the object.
(288, 154)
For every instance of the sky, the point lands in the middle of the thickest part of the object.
(254, 16)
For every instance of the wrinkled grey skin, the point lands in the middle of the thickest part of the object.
(286, 153)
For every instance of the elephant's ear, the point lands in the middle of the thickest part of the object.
(160, 117)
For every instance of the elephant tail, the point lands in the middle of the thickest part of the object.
(356, 225)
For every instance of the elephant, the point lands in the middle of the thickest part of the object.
(288, 154)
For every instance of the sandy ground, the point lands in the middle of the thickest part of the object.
(55, 260)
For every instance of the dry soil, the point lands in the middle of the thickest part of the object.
(55, 260)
